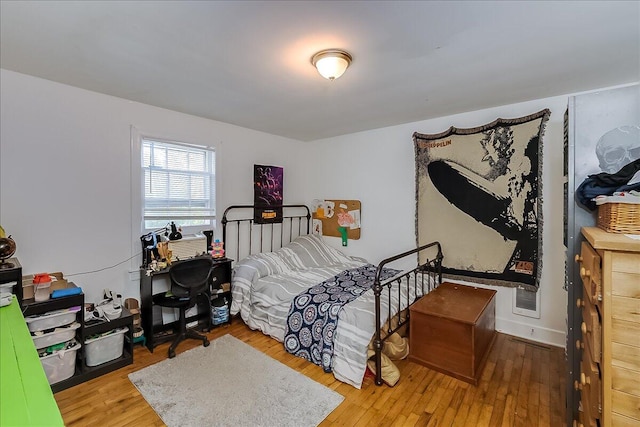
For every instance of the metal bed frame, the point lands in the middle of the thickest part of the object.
(427, 275)
(239, 218)
(239, 226)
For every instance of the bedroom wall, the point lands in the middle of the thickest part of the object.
(65, 189)
(65, 186)
(377, 168)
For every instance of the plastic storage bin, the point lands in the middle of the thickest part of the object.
(59, 335)
(61, 364)
(219, 311)
(52, 319)
(105, 347)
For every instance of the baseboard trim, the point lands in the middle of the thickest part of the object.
(531, 332)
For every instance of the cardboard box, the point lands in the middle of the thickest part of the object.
(59, 283)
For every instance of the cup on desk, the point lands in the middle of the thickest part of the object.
(42, 287)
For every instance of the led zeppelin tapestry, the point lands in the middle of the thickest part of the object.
(479, 193)
(267, 194)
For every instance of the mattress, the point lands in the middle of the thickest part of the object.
(263, 286)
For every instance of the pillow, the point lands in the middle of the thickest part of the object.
(311, 251)
(263, 264)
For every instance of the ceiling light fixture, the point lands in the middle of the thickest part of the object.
(331, 63)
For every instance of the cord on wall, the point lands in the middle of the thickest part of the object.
(105, 268)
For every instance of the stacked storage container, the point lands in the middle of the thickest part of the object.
(103, 348)
(53, 335)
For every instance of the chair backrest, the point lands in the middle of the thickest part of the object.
(190, 277)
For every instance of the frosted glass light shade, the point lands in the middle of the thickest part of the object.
(331, 64)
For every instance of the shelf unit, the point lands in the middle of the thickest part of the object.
(82, 372)
(221, 274)
(11, 271)
(91, 328)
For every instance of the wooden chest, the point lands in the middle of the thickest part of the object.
(452, 330)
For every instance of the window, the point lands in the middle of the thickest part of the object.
(179, 184)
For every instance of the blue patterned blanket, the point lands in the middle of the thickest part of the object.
(313, 314)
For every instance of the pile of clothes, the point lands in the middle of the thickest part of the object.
(620, 187)
(395, 347)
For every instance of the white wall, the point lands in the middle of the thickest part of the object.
(65, 189)
(65, 186)
(377, 168)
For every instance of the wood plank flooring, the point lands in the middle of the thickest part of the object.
(523, 384)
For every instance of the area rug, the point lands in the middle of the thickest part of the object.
(230, 383)
(479, 193)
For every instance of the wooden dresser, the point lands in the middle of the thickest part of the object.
(609, 381)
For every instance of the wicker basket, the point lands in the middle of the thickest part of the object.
(619, 217)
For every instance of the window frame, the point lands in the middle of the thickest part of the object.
(137, 186)
(211, 175)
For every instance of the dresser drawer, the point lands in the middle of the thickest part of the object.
(625, 332)
(586, 418)
(625, 404)
(625, 380)
(625, 284)
(591, 390)
(619, 420)
(591, 330)
(625, 263)
(625, 356)
(626, 308)
(591, 273)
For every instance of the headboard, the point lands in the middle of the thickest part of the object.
(243, 237)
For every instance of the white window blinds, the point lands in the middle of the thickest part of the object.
(179, 184)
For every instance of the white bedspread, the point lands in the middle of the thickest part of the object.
(264, 285)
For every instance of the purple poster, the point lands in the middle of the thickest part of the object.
(267, 190)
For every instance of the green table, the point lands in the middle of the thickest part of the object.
(26, 398)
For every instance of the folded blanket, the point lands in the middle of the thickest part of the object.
(313, 316)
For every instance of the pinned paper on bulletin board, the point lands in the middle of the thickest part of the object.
(329, 216)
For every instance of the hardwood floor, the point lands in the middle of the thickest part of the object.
(522, 385)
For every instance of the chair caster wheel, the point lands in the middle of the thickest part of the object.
(172, 354)
(206, 343)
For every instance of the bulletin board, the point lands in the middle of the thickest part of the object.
(328, 215)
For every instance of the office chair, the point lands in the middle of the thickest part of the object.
(189, 280)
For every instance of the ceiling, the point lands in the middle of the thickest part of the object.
(248, 63)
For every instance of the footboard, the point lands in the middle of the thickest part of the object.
(424, 278)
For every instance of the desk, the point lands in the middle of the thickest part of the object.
(221, 274)
(27, 398)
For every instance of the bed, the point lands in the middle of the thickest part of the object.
(277, 262)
